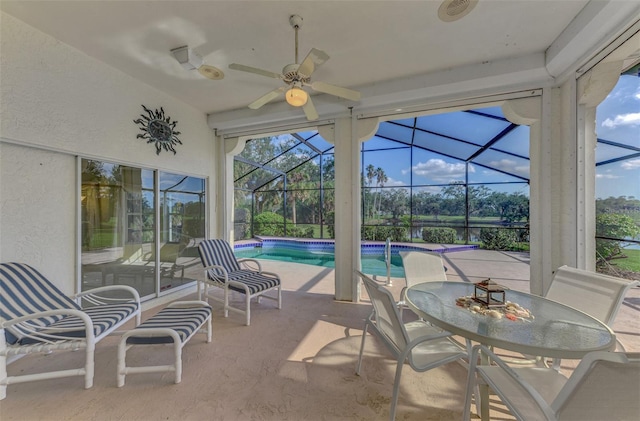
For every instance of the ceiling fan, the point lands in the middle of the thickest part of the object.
(190, 60)
(296, 76)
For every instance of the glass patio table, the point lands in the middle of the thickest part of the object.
(555, 330)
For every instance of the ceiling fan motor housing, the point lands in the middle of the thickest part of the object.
(290, 74)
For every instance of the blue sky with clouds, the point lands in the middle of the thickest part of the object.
(431, 171)
(618, 120)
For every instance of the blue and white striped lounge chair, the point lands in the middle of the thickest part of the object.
(37, 317)
(223, 270)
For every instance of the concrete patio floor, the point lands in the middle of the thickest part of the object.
(291, 364)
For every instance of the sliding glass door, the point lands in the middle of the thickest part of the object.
(139, 227)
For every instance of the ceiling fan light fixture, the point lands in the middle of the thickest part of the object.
(452, 10)
(296, 97)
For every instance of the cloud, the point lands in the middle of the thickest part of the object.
(631, 119)
(394, 183)
(511, 167)
(440, 170)
(632, 164)
(607, 176)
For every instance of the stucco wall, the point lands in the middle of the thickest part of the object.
(57, 103)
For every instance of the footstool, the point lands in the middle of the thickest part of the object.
(174, 324)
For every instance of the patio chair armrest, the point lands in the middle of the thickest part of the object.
(218, 268)
(443, 334)
(31, 328)
(271, 274)
(244, 262)
(188, 304)
(96, 296)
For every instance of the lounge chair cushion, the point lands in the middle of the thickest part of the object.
(254, 281)
(220, 252)
(184, 320)
(25, 291)
(103, 317)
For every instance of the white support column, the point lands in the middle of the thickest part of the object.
(346, 136)
(232, 146)
(347, 205)
(529, 111)
(592, 88)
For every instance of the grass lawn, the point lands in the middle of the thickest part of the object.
(631, 263)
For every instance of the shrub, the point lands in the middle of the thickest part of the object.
(382, 232)
(439, 235)
(613, 225)
(268, 223)
(498, 239)
(272, 224)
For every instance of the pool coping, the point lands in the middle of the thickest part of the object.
(329, 245)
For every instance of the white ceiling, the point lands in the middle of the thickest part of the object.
(374, 46)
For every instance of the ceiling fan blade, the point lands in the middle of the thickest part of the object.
(314, 59)
(336, 91)
(310, 110)
(249, 69)
(266, 98)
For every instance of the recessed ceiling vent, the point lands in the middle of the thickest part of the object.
(451, 10)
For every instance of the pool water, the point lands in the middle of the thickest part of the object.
(372, 264)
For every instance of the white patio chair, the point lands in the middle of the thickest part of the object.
(36, 317)
(604, 386)
(593, 293)
(590, 292)
(419, 267)
(421, 345)
(223, 270)
(598, 295)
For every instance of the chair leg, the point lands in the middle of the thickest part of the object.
(4, 377)
(471, 385)
(396, 390)
(226, 301)
(248, 308)
(364, 336)
(280, 297)
(209, 329)
(89, 366)
(178, 365)
(122, 366)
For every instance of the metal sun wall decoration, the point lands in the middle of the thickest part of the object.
(157, 128)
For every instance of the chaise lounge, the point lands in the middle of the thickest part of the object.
(37, 317)
(223, 270)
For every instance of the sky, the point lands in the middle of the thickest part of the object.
(618, 120)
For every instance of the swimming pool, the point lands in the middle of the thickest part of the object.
(321, 253)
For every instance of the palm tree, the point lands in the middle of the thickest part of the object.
(296, 179)
(381, 178)
(371, 173)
